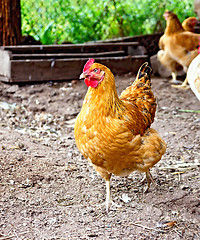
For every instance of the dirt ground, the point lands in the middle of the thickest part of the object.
(49, 191)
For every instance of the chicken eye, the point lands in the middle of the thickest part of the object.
(95, 70)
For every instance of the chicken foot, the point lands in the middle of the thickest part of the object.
(149, 179)
(174, 80)
(184, 85)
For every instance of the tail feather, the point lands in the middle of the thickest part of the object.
(144, 74)
(140, 94)
(144, 70)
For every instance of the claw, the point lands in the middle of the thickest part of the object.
(108, 206)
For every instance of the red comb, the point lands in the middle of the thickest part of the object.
(88, 64)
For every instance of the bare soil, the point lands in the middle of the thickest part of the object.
(49, 191)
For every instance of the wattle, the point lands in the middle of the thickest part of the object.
(91, 82)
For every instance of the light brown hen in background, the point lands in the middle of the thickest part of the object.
(113, 132)
(189, 24)
(165, 58)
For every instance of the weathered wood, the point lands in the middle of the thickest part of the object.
(71, 48)
(68, 69)
(66, 55)
(65, 62)
(10, 22)
(149, 41)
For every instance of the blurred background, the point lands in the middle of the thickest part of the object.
(74, 21)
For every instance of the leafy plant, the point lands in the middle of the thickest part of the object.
(58, 21)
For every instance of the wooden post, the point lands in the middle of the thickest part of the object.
(10, 22)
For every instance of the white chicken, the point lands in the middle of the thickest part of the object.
(193, 75)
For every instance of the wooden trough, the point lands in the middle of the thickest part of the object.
(65, 62)
(149, 41)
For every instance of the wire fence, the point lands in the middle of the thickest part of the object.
(58, 21)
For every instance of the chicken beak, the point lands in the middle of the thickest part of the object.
(83, 75)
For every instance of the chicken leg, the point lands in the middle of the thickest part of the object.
(149, 179)
(108, 195)
(109, 201)
(106, 176)
(174, 80)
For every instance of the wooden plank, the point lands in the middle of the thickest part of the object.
(149, 41)
(65, 55)
(70, 48)
(129, 38)
(123, 65)
(63, 46)
(5, 65)
(68, 69)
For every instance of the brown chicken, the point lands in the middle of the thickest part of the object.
(113, 132)
(189, 23)
(165, 58)
(173, 66)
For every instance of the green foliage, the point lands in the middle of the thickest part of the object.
(58, 21)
